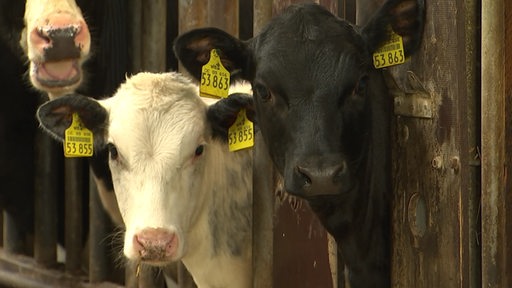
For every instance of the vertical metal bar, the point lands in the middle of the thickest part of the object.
(13, 237)
(45, 190)
(135, 22)
(98, 229)
(245, 19)
(493, 144)
(151, 277)
(131, 278)
(73, 187)
(154, 35)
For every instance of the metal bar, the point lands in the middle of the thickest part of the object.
(135, 22)
(74, 188)
(13, 237)
(98, 229)
(493, 144)
(45, 194)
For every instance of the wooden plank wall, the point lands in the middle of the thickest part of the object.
(435, 161)
(496, 144)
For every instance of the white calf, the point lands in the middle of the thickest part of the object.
(181, 193)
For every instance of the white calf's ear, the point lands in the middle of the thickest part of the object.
(223, 113)
(56, 116)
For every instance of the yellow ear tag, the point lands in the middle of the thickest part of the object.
(214, 78)
(390, 53)
(78, 140)
(241, 133)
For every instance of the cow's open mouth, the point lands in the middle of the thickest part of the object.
(57, 74)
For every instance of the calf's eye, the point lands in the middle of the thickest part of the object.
(362, 85)
(199, 150)
(112, 150)
(262, 92)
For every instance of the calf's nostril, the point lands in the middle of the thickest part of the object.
(339, 172)
(304, 176)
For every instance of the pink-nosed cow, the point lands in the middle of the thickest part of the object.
(181, 193)
(57, 41)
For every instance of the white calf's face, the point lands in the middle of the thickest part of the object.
(57, 41)
(155, 163)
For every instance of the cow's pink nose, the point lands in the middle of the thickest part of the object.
(61, 36)
(155, 244)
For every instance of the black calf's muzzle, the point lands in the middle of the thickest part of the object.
(317, 176)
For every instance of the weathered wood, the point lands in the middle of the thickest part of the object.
(153, 38)
(193, 14)
(494, 167)
(262, 14)
(508, 130)
(224, 14)
(263, 219)
(471, 266)
(22, 271)
(432, 196)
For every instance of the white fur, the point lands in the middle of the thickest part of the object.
(156, 123)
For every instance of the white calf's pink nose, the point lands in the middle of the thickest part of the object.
(63, 32)
(155, 244)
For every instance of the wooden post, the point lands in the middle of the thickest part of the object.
(494, 168)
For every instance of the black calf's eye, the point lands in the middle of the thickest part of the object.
(362, 85)
(262, 92)
(112, 150)
(199, 150)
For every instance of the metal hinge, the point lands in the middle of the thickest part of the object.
(416, 102)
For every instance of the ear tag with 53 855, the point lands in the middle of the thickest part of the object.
(215, 81)
(78, 140)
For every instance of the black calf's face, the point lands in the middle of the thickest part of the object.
(310, 99)
(314, 85)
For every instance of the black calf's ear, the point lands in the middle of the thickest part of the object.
(405, 17)
(56, 116)
(223, 114)
(193, 50)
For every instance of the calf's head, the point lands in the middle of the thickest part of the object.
(163, 142)
(57, 41)
(315, 87)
